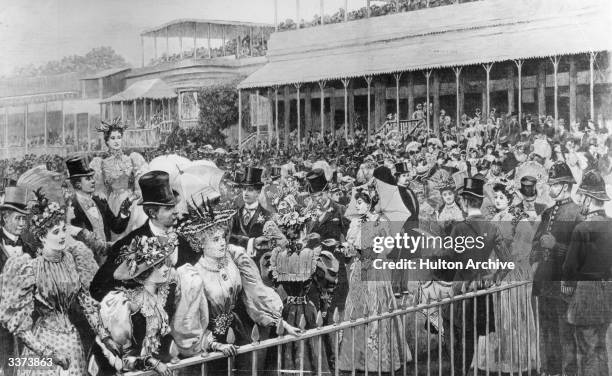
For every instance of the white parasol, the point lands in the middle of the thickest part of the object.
(49, 182)
(435, 141)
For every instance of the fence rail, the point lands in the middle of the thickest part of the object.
(392, 315)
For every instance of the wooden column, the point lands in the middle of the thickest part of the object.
(276, 117)
(122, 114)
(345, 82)
(541, 78)
(223, 40)
(368, 9)
(25, 128)
(510, 91)
(195, 40)
(427, 112)
(397, 98)
(255, 122)
(134, 104)
(297, 14)
(239, 120)
(181, 46)
(63, 124)
(351, 108)
(555, 61)
(250, 41)
(573, 84)
(436, 103)
(519, 66)
(287, 115)
(45, 129)
(345, 10)
(167, 42)
(592, 57)
(144, 111)
(208, 41)
(299, 123)
(275, 15)
(488, 68)
(369, 125)
(332, 109)
(307, 111)
(380, 97)
(410, 87)
(322, 89)
(457, 71)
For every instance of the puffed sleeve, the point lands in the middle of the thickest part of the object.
(17, 301)
(84, 261)
(96, 165)
(190, 321)
(262, 303)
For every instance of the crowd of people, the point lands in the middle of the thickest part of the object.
(110, 261)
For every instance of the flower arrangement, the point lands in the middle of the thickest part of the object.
(146, 251)
(291, 219)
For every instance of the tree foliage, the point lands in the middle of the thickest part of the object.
(97, 59)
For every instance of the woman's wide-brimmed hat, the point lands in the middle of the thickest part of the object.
(142, 254)
(15, 199)
(594, 186)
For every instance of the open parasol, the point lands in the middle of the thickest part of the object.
(49, 182)
(435, 141)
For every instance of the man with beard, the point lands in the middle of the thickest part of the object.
(549, 249)
(588, 272)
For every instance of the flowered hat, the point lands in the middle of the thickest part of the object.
(205, 217)
(45, 214)
(142, 254)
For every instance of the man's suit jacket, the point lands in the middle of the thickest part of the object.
(241, 232)
(104, 282)
(112, 222)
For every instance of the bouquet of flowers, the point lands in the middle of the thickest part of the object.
(291, 219)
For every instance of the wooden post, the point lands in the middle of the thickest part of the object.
(436, 104)
(345, 82)
(351, 109)
(297, 14)
(181, 46)
(144, 111)
(251, 41)
(322, 89)
(63, 125)
(239, 120)
(511, 84)
(299, 125)
(555, 61)
(275, 15)
(368, 9)
(332, 112)
(410, 87)
(122, 115)
(134, 104)
(307, 111)
(369, 129)
(276, 117)
(322, 6)
(457, 71)
(45, 129)
(208, 41)
(397, 98)
(541, 78)
(195, 41)
(142, 51)
(345, 10)
(88, 132)
(155, 46)
(573, 83)
(519, 66)
(256, 120)
(487, 68)
(167, 42)
(592, 57)
(287, 115)
(427, 112)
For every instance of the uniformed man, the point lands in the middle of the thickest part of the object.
(588, 272)
(550, 244)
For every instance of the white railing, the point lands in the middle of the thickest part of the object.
(252, 139)
(408, 310)
(403, 126)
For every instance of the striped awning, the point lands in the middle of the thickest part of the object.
(458, 35)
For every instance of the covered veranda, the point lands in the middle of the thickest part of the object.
(430, 52)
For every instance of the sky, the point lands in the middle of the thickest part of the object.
(37, 31)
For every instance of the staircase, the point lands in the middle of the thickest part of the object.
(404, 127)
(251, 139)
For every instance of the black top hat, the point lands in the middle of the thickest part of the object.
(528, 186)
(155, 187)
(317, 181)
(16, 199)
(252, 177)
(275, 172)
(402, 168)
(560, 173)
(472, 187)
(594, 186)
(77, 167)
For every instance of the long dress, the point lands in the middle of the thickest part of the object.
(237, 299)
(37, 298)
(371, 290)
(117, 179)
(515, 331)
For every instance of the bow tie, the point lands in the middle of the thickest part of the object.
(10, 243)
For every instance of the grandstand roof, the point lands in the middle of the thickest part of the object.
(186, 27)
(456, 35)
(150, 89)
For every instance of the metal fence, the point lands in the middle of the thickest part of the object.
(509, 297)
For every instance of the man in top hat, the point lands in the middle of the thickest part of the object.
(529, 193)
(13, 215)
(159, 204)
(474, 226)
(330, 224)
(92, 212)
(246, 227)
(550, 244)
(588, 272)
